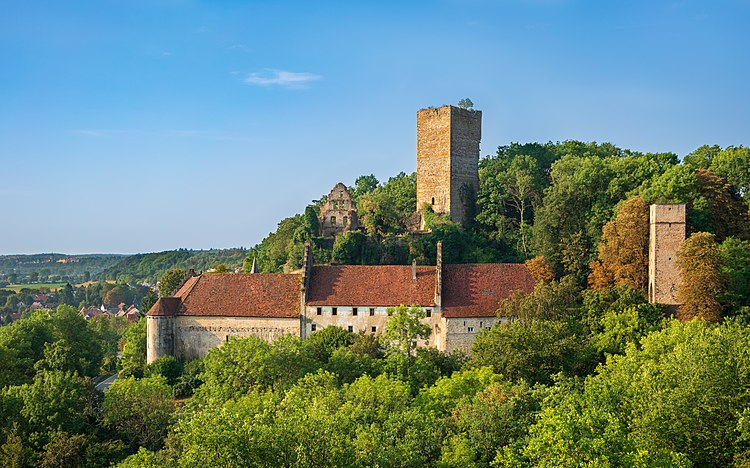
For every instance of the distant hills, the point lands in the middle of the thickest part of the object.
(151, 266)
(56, 264)
(148, 267)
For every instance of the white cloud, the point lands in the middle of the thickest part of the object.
(285, 79)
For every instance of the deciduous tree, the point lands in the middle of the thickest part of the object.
(623, 248)
(702, 282)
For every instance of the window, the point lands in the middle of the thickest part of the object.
(480, 324)
(464, 323)
(334, 310)
(372, 311)
(345, 220)
(433, 201)
(354, 311)
(341, 194)
(428, 312)
(226, 338)
(350, 329)
(374, 329)
(471, 329)
(319, 311)
(313, 327)
(333, 220)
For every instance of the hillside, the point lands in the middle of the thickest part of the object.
(56, 265)
(150, 267)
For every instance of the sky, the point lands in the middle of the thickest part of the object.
(142, 126)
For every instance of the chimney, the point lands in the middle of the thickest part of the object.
(439, 275)
(307, 264)
(414, 269)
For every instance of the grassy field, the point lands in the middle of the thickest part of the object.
(18, 287)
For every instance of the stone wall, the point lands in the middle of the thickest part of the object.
(364, 322)
(159, 337)
(667, 232)
(338, 214)
(460, 333)
(447, 158)
(195, 336)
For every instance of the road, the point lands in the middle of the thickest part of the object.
(104, 384)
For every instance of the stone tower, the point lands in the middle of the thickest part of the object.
(666, 233)
(447, 158)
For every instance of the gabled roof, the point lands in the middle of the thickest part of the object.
(234, 295)
(164, 307)
(371, 285)
(476, 290)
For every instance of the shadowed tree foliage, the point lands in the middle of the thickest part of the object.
(702, 282)
(726, 211)
(170, 282)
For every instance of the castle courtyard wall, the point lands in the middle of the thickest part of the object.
(194, 336)
(461, 332)
(364, 322)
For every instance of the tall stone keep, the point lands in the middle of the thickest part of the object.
(666, 234)
(447, 159)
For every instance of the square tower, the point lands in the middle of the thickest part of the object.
(447, 158)
(666, 234)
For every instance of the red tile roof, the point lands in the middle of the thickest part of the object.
(238, 295)
(371, 285)
(165, 306)
(475, 290)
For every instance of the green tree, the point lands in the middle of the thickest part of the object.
(733, 164)
(133, 360)
(679, 399)
(735, 261)
(170, 282)
(363, 185)
(139, 410)
(465, 103)
(534, 351)
(148, 301)
(405, 328)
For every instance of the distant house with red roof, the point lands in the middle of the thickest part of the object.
(459, 301)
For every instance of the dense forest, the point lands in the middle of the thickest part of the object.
(150, 267)
(586, 372)
(534, 199)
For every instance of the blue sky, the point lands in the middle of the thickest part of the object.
(138, 126)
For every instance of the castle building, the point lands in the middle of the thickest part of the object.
(338, 214)
(459, 301)
(448, 160)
